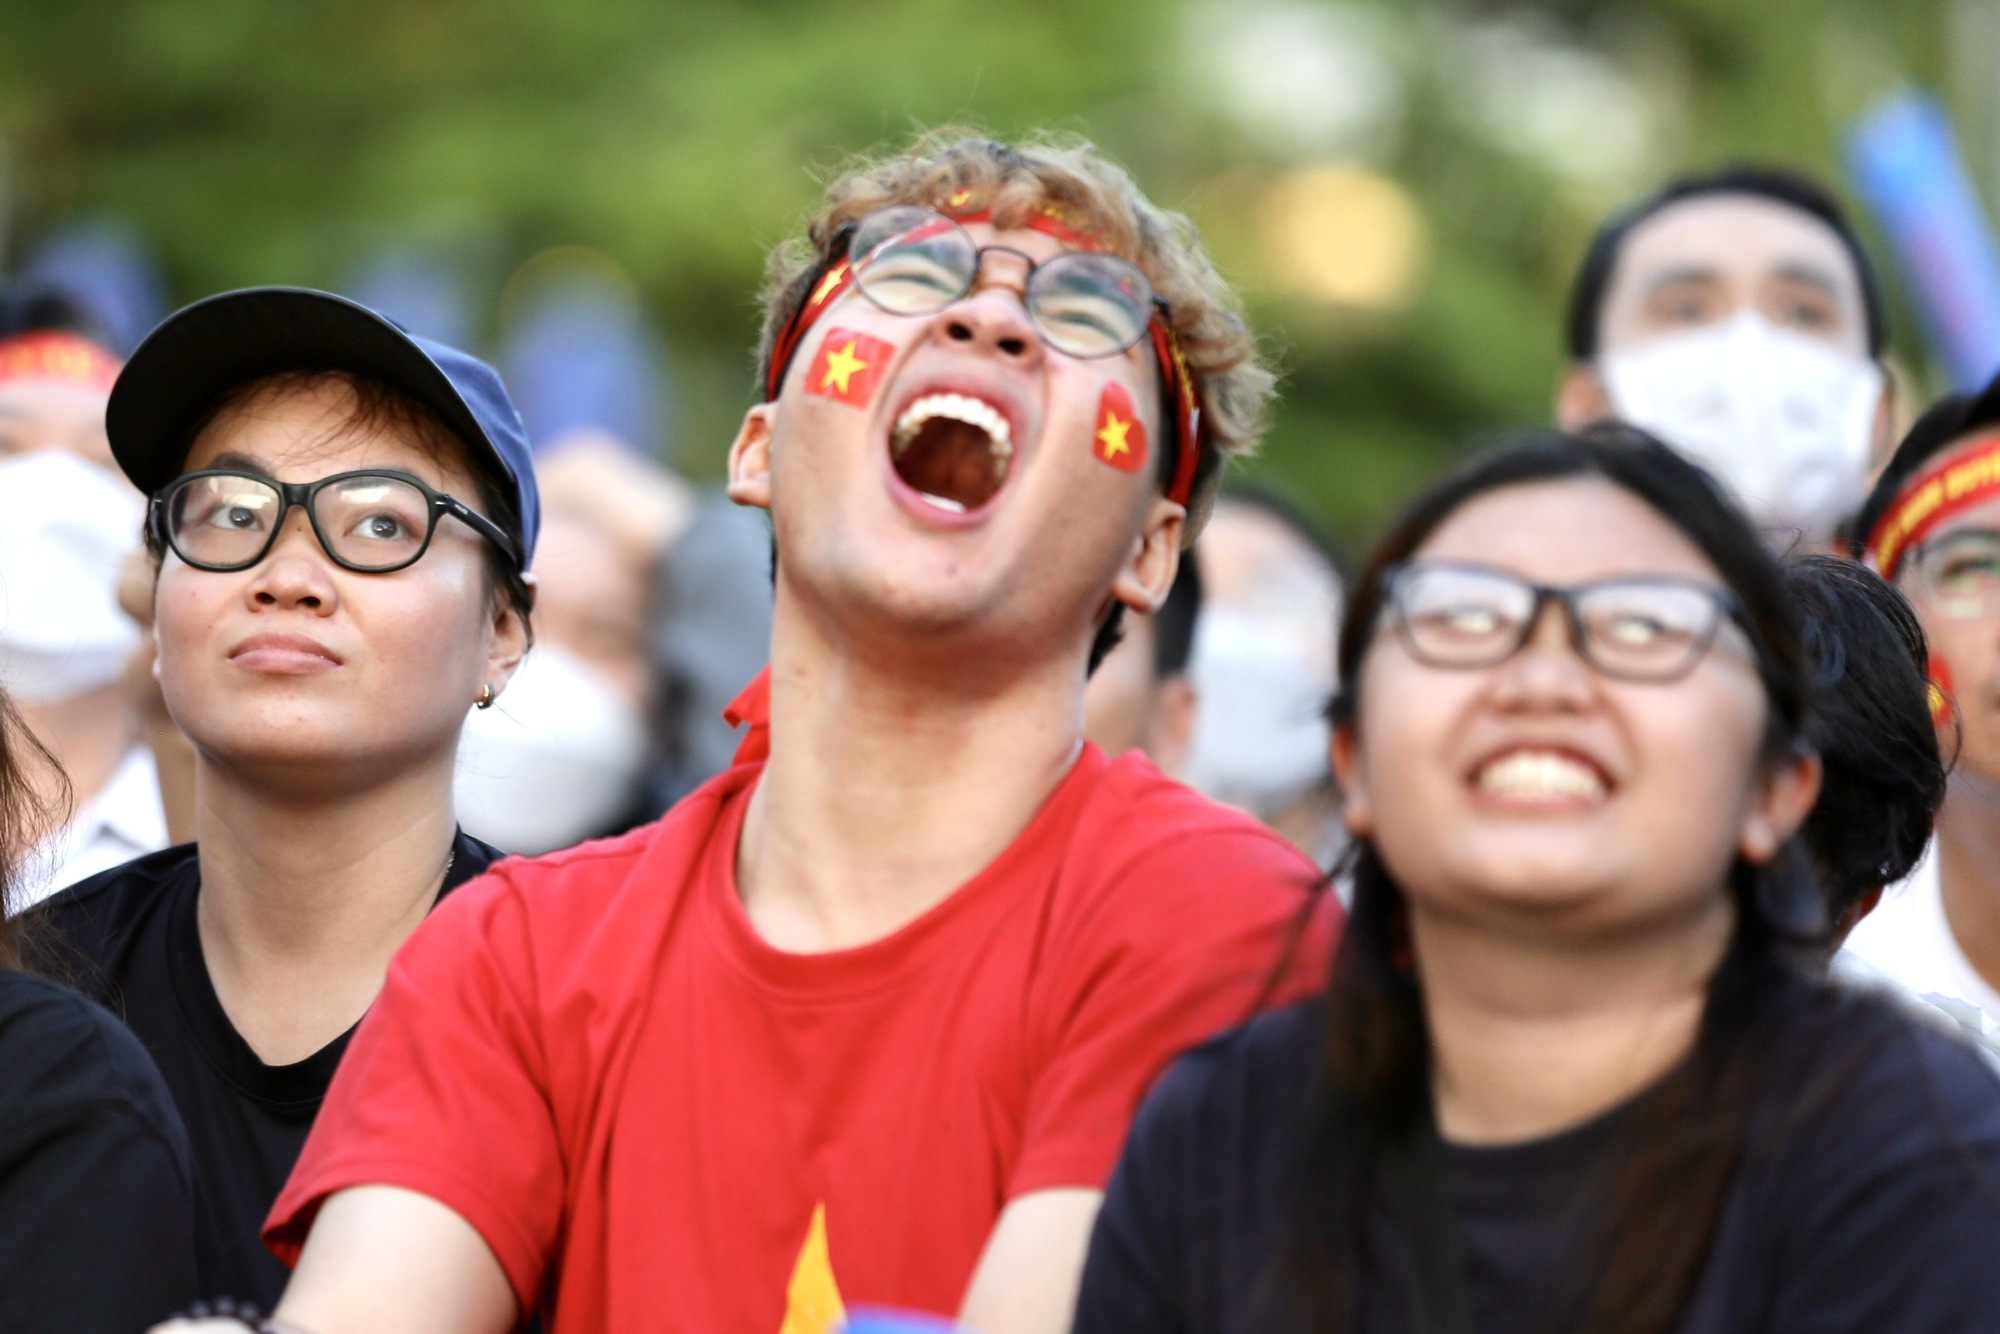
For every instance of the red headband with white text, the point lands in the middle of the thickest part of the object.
(1166, 344)
(1968, 476)
(51, 355)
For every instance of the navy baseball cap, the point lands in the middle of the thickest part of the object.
(202, 351)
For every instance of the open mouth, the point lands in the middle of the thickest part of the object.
(952, 450)
(1541, 776)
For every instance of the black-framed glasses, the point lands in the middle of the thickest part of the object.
(1640, 628)
(373, 522)
(1959, 572)
(912, 260)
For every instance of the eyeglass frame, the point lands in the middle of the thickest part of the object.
(843, 243)
(1727, 605)
(301, 495)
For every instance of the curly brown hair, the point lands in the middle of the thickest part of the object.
(1018, 182)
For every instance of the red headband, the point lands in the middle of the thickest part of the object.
(1950, 486)
(50, 355)
(1049, 221)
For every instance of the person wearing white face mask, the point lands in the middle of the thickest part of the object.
(1736, 316)
(67, 523)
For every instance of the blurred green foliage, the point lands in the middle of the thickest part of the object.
(261, 142)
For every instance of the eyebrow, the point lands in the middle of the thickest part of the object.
(1684, 273)
(241, 463)
(1811, 276)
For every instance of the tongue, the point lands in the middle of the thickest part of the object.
(950, 459)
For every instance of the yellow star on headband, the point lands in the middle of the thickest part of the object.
(828, 283)
(841, 366)
(1112, 437)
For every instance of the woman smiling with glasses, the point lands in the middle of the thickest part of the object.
(1574, 1070)
(342, 516)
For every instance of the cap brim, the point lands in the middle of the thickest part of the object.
(201, 352)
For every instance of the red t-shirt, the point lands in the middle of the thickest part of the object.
(657, 1120)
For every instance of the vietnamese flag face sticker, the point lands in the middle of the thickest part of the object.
(1941, 703)
(1121, 438)
(849, 367)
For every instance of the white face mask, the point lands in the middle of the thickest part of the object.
(1782, 420)
(66, 527)
(552, 761)
(1260, 731)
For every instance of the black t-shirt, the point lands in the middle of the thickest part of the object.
(1879, 1211)
(95, 1191)
(128, 938)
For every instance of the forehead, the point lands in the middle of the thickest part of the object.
(1565, 532)
(53, 403)
(1731, 236)
(306, 431)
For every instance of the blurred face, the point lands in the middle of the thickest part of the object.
(1708, 259)
(591, 598)
(951, 481)
(1964, 632)
(52, 414)
(297, 662)
(1121, 699)
(1540, 789)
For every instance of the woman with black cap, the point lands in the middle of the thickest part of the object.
(342, 517)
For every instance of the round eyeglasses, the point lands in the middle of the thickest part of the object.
(1647, 628)
(1959, 573)
(224, 519)
(911, 260)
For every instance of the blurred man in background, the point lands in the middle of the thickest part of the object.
(1736, 316)
(67, 523)
(1263, 668)
(1141, 696)
(1932, 527)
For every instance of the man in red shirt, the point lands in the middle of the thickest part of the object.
(862, 1022)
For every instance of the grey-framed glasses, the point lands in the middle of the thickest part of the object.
(1959, 573)
(911, 260)
(1642, 628)
(374, 522)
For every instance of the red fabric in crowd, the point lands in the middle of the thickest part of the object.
(641, 1105)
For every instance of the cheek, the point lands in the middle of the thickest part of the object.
(849, 367)
(1118, 437)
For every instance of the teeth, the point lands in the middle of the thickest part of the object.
(958, 407)
(943, 502)
(1540, 774)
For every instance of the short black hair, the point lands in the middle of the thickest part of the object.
(1870, 720)
(1943, 424)
(1174, 622)
(31, 307)
(1782, 185)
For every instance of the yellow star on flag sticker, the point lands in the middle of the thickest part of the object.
(812, 1298)
(1112, 436)
(841, 366)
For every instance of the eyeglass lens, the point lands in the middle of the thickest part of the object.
(1642, 629)
(1961, 573)
(368, 521)
(914, 261)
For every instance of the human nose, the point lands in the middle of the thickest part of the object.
(993, 316)
(293, 575)
(1549, 670)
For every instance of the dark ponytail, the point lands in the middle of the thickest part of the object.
(1659, 1203)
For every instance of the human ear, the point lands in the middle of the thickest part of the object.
(1149, 571)
(1343, 751)
(508, 642)
(750, 458)
(1581, 397)
(1783, 799)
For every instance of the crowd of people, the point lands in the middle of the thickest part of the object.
(456, 881)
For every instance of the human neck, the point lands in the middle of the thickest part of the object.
(891, 783)
(89, 734)
(1534, 1033)
(1968, 852)
(303, 901)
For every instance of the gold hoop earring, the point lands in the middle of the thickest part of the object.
(486, 697)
